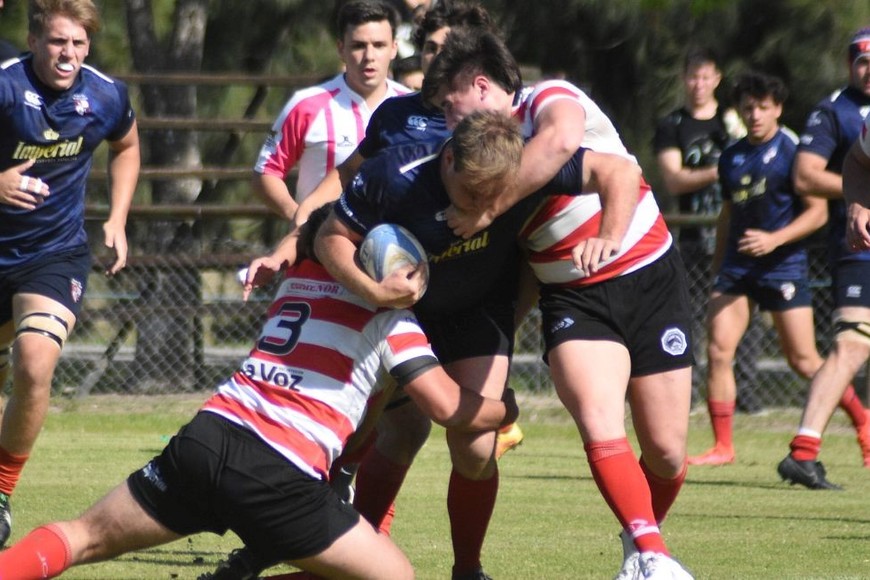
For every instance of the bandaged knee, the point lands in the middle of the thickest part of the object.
(852, 330)
(45, 324)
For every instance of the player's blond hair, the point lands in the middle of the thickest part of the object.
(487, 148)
(84, 12)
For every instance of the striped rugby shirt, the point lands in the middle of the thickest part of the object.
(323, 355)
(318, 129)
(563, 221)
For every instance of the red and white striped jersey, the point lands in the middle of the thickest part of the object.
(562, 222)
(318, 128)
(323, 355)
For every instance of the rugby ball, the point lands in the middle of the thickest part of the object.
(389, 246)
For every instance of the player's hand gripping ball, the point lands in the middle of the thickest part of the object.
(387, 247)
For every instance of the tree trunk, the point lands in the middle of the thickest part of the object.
(165, 344)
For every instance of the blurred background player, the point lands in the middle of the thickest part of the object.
(45, 156)
(760, 258)
(408, 71)
(7, 49)
(321, 126)
(687, 143)
(831, 130)
(255, 458)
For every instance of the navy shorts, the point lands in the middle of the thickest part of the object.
(483, 331)
(62, 277)
(770, 295)
(851, 284)
(648, 311)
(215, 475)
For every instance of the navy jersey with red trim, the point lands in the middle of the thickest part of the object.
(402, 119)
(402, 185)
(60, 131)
(831, 128)
(757, 180)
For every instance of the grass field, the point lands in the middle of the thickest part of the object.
(732, 522)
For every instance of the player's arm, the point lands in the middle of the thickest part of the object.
(275, 194)
(856, 191)
(755, 242)
(124, 162)
(616, 180)
(330, 187)
(441, 399)
(335, 247)
(558, 133)
(811, 176)
(679, 179)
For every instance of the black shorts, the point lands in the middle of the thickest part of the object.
(214, 475)
(648, 311)
(483, 331)
(851, 285)
(62, 277)
(770, 295)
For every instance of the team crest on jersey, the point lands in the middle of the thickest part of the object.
(50, 135)
(674, 341)
(82, 105)
(32, 99)
(417, 123)
(769, 155)
(75, 290)
(788, 290)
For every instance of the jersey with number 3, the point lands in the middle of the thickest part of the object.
(323, 355)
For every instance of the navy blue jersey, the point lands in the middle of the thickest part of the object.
(402, 185)
(831, 128)
(402, 119)
(757, 180)
(60, 130)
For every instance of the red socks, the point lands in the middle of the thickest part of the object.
(664, 492)
(43, 553)
(805, 447)
(378, 482)
(722, 418)
(469, 505)
(851, 404)
(625, 489)
(10, 470)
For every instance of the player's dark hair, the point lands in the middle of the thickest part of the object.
(358, 12)
(698, 56)
(449, 14)
(759, 86)
(83, 12)
(407, 65)
(308, 231)
(469, 52)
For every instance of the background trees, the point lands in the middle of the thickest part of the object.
(625, 53)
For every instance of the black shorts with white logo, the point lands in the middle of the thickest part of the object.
(851, 284)
(648, 311)
(62, 277)
(214, 476)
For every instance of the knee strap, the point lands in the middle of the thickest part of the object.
(46, 324)
(847, 329)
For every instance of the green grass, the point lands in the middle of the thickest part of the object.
(732, 522)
